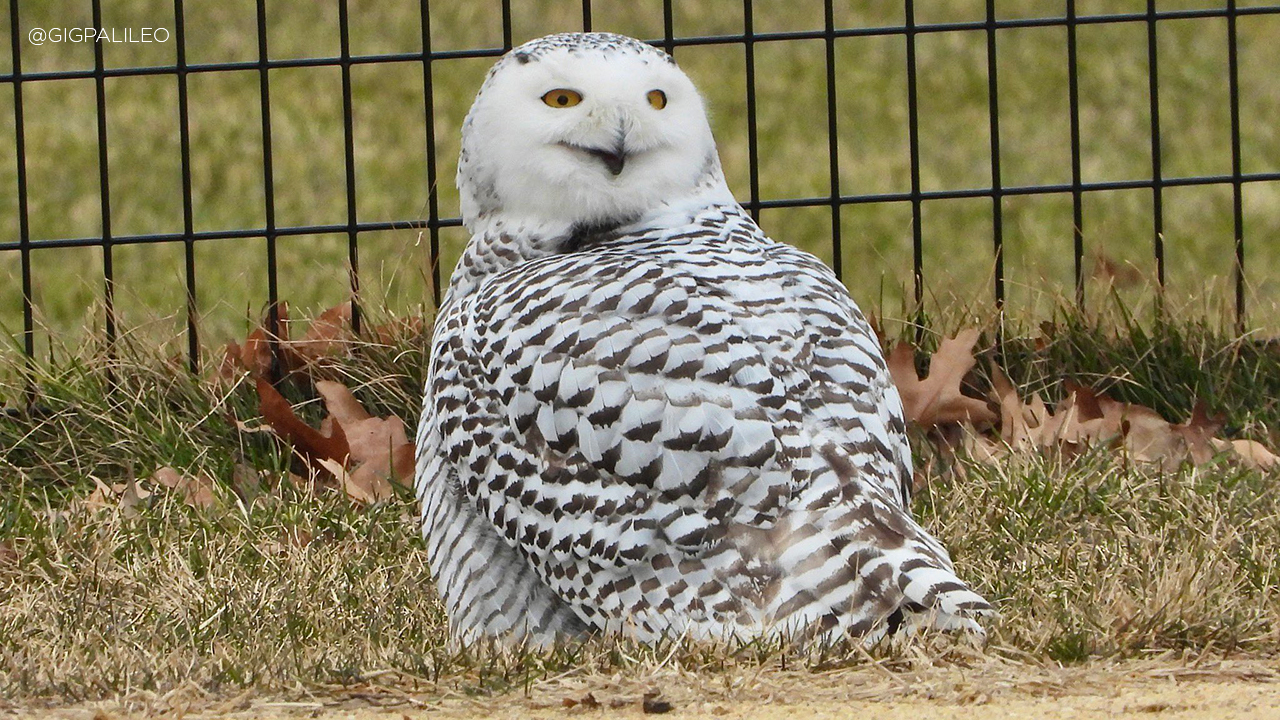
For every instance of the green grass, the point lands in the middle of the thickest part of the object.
(1086, 558)
(308, 183)
(97, 418)
(1091, 558)
(1085, 561)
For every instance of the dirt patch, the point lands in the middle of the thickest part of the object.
(1220, 690)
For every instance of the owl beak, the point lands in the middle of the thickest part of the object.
(614, 159)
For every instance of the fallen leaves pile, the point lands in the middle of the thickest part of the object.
(992, 428)
(364, 456)
(352, 451)
(358, 453)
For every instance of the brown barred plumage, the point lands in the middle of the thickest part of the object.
(642, 415)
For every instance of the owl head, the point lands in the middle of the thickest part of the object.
(585, 129)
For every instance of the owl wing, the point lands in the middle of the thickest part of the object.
(616, 416)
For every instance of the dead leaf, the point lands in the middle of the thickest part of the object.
(195, 491)
(1121, 274)
(341, 403)
(255, 355)
(937, 398)
(294, 537)
(1149, 438)
(1198, 432)
(1085, 419)
(1016, 419)
(380, 441)
(230, 366)
(248, 429)
(125, 496)
(246, 483)
(361, 485)
(9, 556)
(875, 324)
(306, 440)
(362, 453)
(1048, 331)
(133, 495)
(983, 449)
(329, 334)
(1078, 422)
(380, 450)
(1252, 453)
(103, 495)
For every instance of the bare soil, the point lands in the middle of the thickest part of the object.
(1220, 690)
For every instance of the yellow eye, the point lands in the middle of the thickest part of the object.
(657, 99)
(562, 98)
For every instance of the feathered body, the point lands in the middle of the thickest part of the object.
(642, 415)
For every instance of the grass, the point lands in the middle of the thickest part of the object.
(390, 168)
(306, 590)
(101, 419)
(278, 587)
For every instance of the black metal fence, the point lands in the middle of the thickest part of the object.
(180, 70)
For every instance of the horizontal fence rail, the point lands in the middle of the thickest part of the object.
(181, 70)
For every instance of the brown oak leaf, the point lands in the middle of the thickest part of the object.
(380, 451)
(1251, 453)
(362, 453)
(328, 335)
(937, 399)
(311, 444)
(195, 491)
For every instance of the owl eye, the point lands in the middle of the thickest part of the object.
(562, 98)
(657, 99)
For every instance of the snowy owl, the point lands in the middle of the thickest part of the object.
(642, 416)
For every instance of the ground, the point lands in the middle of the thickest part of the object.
(388, 126)
(1161, 688)
(1091, 557)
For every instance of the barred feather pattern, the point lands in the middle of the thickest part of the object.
(679, 427)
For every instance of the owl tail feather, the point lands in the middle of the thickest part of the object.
(936, 598)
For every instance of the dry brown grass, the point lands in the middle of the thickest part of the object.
(277, 588)
(1089, 560)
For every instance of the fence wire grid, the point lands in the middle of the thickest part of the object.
(1151, 16)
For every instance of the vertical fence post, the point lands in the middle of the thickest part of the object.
(1077, 195)
(668, 28)
(188, 221)
(433, 195)
(506, 25)
(913, 139)
(24, 227)
(1237, 191)
(104, 192)
(833, 137)
(268, 191)
(753, 150)
(997, 189)
(348, 144)
(1157, 177)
